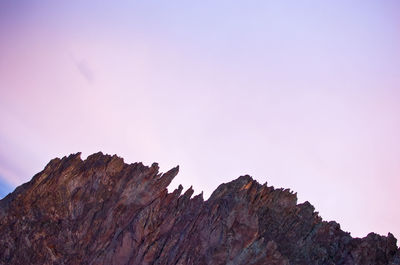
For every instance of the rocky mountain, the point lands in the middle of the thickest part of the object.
(104, 211)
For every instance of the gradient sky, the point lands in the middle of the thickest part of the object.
(301, 94)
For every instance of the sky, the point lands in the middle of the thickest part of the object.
(300, 94)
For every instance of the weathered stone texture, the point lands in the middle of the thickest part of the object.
(103, 211)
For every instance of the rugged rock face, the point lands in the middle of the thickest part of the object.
(103, 211)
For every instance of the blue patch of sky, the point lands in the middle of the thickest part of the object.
(5, 188)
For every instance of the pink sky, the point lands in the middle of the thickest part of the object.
(301, 95)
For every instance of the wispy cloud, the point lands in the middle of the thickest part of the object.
(84, 69)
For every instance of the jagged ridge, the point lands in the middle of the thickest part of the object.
(103, 211)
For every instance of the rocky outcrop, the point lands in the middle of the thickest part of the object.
(103, 211)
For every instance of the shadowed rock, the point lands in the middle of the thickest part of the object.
(103, 211)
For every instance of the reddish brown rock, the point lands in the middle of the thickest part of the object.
(103, 211)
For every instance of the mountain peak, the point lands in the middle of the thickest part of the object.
(103, 211)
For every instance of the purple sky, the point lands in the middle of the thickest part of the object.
(301, 94)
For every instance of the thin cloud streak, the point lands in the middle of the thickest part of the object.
(84, 69)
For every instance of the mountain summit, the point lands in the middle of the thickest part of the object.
(104, 211)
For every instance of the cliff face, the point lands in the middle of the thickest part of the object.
(103, 211)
